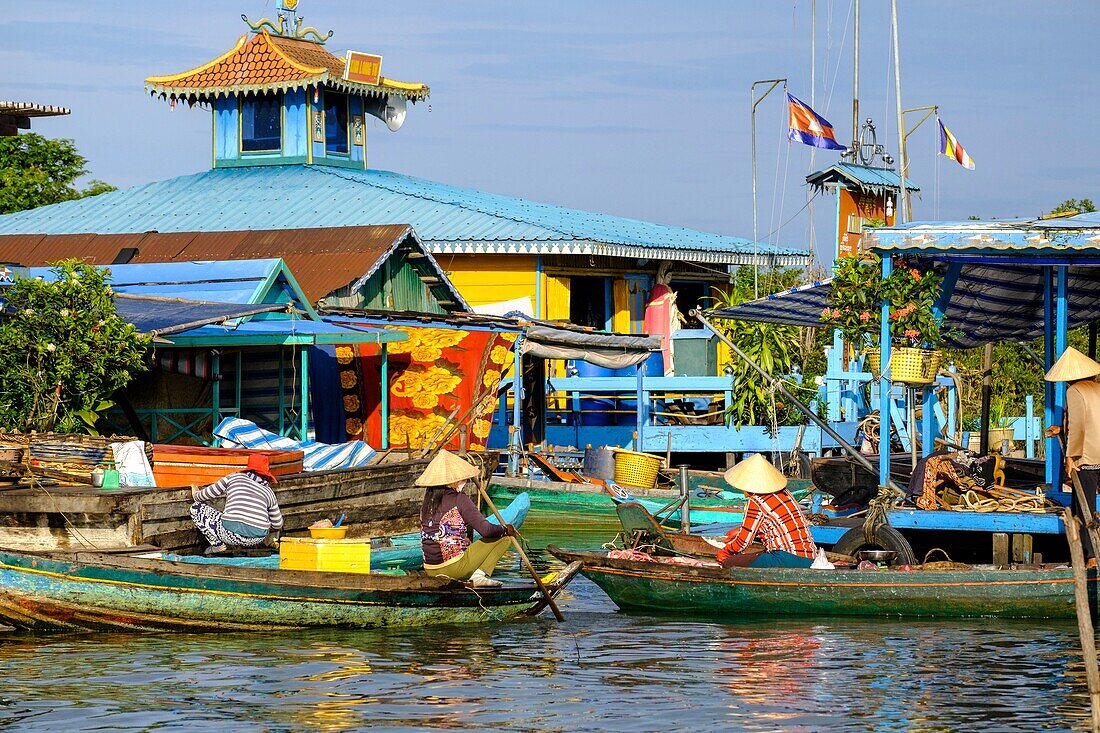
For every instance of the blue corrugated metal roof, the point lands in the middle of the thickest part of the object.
(862, 175)
(248, 282)
(447, 218)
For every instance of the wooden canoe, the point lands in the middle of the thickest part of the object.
(714, 592)
(379, 499)
(104, 592)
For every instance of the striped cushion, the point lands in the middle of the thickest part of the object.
(234, 432)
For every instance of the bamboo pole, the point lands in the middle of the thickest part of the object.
(519, 551)
(1084, 615)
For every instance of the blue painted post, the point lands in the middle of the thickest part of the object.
(237, 386)
(928, 422)
(1052, 451)
(952, 406)
(515, 445)
(642, 406)
(884, 385)
(282, 391)
(385, 396)
(1058, 413)
(834, 387)
(1030, 438)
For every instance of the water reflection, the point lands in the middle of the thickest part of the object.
(600, 670)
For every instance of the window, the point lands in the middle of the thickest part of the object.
(336, 122)
(588, 301)
(262, 122)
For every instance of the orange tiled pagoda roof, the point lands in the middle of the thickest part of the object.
(268, 62)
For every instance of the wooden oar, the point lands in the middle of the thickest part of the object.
(1084, 614)
(522, 555)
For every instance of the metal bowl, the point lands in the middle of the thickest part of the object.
(886, 556)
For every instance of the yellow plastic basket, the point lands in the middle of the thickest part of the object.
(636, 469)
(873, 360)
(914, 366)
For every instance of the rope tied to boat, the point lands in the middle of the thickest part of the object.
(878, 512)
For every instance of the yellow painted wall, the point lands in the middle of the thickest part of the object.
(486, 279)
(555, 298)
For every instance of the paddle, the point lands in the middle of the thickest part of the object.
(522, 555)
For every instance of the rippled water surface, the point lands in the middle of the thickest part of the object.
(601, 670)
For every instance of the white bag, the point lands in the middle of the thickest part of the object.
(821, 562)
(132, 464)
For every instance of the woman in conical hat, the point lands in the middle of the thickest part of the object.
(447, 519)
(1082, 425)
(772, 517)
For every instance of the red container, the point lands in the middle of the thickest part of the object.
(183, 465)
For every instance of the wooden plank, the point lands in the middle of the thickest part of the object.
(1000, 549)
(1021, 548)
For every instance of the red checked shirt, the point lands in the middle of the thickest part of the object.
(778, 521)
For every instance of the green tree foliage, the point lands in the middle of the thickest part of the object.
(776, 348)
(63, 350)
(36, 171)
(1074, 206)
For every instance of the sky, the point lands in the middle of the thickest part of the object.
(631, 107)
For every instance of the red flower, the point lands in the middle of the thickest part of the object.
(864, 316)
(912, 333)
(916, 274)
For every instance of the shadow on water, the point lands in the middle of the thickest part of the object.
(601, 670)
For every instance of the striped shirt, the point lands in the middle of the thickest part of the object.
(778, 521)
(250, 504)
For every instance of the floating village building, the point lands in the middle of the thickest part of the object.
(290, 180)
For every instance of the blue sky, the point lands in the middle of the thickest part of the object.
(636, 108)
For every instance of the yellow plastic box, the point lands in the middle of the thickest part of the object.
(333, 556)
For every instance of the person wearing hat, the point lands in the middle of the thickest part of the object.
(772, 517)
(447, 518)
(1082, 426)
(251, 509)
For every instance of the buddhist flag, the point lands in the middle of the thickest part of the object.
(950, 147)
(809, 127)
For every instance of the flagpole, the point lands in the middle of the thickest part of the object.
(855, 88)
(813, 103)
(928, 110)
(897, 98)
(755, 241)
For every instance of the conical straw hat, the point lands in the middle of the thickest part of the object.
(1071, 366)
(446, 468)
(756, 475)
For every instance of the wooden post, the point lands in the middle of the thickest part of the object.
(1000, 549)
(1021, 548)
(1084, 615)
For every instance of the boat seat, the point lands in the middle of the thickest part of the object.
(640, 527)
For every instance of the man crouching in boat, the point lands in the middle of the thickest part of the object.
(446, 519)
(772, 515)
(251, 509)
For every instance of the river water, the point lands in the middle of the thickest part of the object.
(601, 670)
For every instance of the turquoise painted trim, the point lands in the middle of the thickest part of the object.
(950, 278)
(928, 431)
(355, 108)
(303, 395)
(385, 396)
(226, 130)
(216, 388)
(1029, 437)
(297, 297)
(282, 392)
(277, 339)
(259, 162)
(342, 162)
(884, 397)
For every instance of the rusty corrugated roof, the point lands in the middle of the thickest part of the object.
(322, 260)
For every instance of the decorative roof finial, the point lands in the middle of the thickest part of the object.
(298, 32)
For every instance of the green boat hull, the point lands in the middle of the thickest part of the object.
(736, 593)
(92, 591)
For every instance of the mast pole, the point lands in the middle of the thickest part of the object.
(813, 103)
(855, 89)
(904, 209)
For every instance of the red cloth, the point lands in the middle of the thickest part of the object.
(778, 521)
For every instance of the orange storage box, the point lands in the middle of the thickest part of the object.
(183, 465)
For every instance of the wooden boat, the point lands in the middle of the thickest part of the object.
(106, 592)
(717, 593)
(377, 499)
(593, 500)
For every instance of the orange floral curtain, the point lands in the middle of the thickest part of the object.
(435, 372)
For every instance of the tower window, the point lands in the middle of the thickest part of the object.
(262, 122)
(336, 122)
